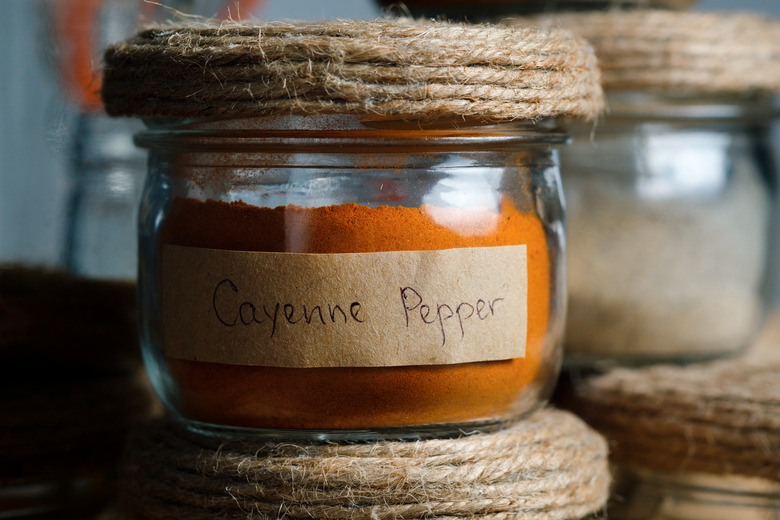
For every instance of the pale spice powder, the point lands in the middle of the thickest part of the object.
(669, 277)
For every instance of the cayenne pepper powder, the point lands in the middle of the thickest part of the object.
(360, 397)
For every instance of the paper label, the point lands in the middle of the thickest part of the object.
(344, 310)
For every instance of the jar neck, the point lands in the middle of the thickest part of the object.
(345, 132)
(756, 109)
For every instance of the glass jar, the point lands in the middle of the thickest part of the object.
(71, 378)
(671, 212)
(71, 361)
(343, 277)
(650, 495)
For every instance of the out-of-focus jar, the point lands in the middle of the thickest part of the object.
(671, 209)
(331, 273)
(71, 377)
(368, 243)
(671, 198)
(648, 495)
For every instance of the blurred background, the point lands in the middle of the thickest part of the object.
(47, 53)
(70, 180)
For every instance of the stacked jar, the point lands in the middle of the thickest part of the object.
(671, 199)
(352, 231)
(73, 383)
(373, 249)
(671, 205)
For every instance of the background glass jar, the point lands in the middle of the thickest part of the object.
(69, 343)
(658, 495)
(671, 214)
(379, 196)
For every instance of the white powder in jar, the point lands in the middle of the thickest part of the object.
(667, 247)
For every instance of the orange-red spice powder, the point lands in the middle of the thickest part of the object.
(367, 397)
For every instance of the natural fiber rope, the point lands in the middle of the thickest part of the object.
(403, 69)
(41, 310)
(551, 466)
(97, 406)
(678, 52)
(57, 428)
(720, 418)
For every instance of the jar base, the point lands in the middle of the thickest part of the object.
(604, 362)
(401, 433)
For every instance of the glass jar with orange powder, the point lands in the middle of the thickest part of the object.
(341, 276)
(352, 230)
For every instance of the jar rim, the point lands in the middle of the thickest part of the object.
(645, 105)
(346, 133)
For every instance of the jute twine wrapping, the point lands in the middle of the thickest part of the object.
(679, 52)
(551, 466)
(59, 320)
(61, 428)
(717, 418)
(413, 70)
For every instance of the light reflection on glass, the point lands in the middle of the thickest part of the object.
(681, 164)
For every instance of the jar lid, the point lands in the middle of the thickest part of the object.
(721, 417)
(413, 70)
(680, 52)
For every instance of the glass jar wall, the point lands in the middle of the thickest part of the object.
(651, 495)
(671, 211)
(338, 277)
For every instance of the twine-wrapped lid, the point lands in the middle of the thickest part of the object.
(717, 418)
(671, 52)
(548, 467)
(499, 9)
(404, 69)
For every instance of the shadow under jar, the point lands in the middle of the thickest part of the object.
(671, 209)
(339, 277)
